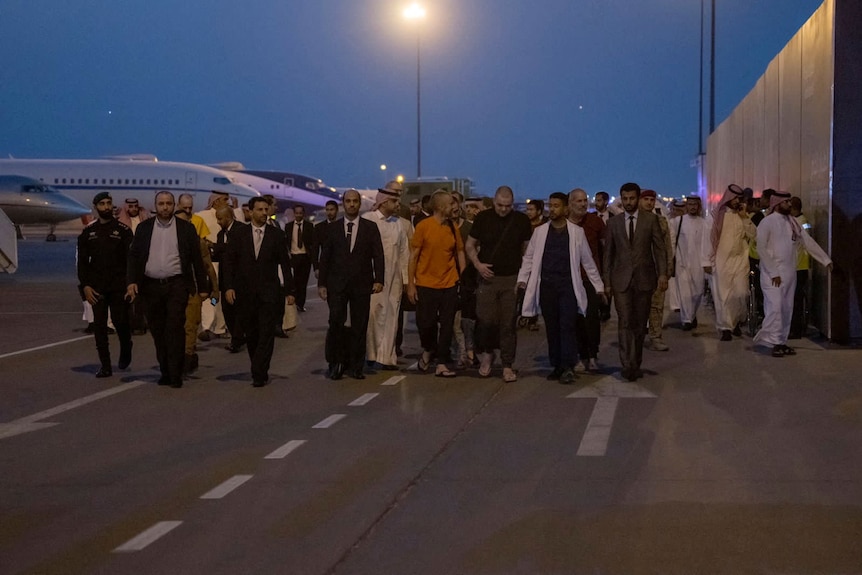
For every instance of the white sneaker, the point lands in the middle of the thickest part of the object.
(580, 367)
(592, 365)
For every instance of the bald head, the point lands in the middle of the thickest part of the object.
(224, 216)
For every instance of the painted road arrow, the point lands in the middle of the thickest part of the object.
(33, 423)
(607, 393)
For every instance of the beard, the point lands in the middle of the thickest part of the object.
(106, 214)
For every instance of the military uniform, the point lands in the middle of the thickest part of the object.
(102, 252)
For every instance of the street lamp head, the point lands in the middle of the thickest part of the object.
(383, 167)
(414, 12)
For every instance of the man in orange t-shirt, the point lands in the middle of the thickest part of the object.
(433, 275)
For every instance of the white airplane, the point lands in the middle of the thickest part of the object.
(138, 176)
(287, 188)
(29, 201)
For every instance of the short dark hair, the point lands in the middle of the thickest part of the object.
(540, 204)
(767, 193)
(300, 206)
(256, 200)
(605, 194)
(630, 187)
(559, 196)
(331, 203)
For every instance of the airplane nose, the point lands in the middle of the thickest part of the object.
(70, 206)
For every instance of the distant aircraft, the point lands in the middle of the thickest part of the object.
(287, 188)
(137, 176)
(29, 201)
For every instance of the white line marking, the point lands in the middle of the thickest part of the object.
(147, 537)
(285, 449)
(394, 380)
(11, 429)
(79, 402)
(64, 342)
(226, 487)
(329, 421)
(363, 399)
(598, 432)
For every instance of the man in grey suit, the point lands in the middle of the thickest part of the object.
(635, 263)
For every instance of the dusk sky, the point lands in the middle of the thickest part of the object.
(543, 96)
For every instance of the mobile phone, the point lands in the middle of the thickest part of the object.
(213, 301)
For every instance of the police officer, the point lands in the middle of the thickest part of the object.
(102, 250)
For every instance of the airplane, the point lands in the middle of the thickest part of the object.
(287, 188)
(29, 201)
(134, 176)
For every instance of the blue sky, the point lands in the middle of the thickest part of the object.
(543, 96)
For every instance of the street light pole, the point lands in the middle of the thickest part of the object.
(417, 12)
(712, 71)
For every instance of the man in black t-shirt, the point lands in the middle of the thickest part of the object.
(495, 245)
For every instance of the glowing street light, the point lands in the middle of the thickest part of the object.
(415, 12)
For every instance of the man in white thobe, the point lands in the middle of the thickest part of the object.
(686, 232)
(383, 316)
(779, 239)
(725, 258)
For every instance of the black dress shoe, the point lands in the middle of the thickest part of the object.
(280, 333)
(91, 328)
(258, 383)
(300, 308)
(163, 380)
(687, 326)
(104, 371)
(125, 357)
(638, 373)
(233, 348)
(337, 371)
(725, 335)
(357, 374)
(737, 331)
(177, 384)
(567, 377)
(694, 322)
(555, 375)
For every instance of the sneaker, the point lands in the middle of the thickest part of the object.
(658, 344)
(568, 377)
(580, 367)
(204, 335)
(593, 365)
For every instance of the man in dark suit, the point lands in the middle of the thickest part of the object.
(165, 266)
(351, 269)
(301, 246)
(635, 263)
(227, 222)
(251, 263)
(320, 230)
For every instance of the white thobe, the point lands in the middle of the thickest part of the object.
(778, 247)
(383, 316)
(212, 317)
(686, 287)
(730, 270)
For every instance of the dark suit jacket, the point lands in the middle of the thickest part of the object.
(320, 230)
(308, 239)
(361, 268)
(219, 249)
(250, 276)
(189, 246)
(637, 264)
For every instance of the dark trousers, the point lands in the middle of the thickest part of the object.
(560, 310)
(276, 320)
(754, 266)
(301, 266)
(798, 325)
(115, 301)
(435, 319)
(231, 320)
(590, 325)
(137, 320)
(255, 317)
(496, 315)
(165, 308)
(632, 307)
(346, 345)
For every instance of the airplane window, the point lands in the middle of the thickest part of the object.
(87, 181)
(163, 182)
(112, 182)
(56, 180)
(64, 180)
(310, 186)
(221, 180)
(103, 180)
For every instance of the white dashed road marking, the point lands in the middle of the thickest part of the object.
(226, 487)
(285, 449)
(363, 399)
(147, 537)
(329, 421)
(394, 380)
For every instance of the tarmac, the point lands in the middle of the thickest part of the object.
(722, 459)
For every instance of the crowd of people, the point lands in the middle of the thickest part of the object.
(468, 267)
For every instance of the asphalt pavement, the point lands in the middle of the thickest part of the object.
(722, 459)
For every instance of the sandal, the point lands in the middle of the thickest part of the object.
(485, 365)
(787, 350)
(777, 351)
(443, 371)
(422, 364)
(509, 375)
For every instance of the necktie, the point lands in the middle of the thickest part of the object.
(258, 239)
(631, 229)
(299, 235)
(349, 236)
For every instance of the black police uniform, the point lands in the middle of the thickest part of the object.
(102, 252)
